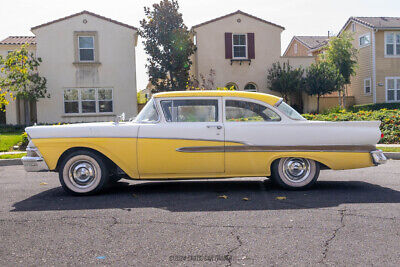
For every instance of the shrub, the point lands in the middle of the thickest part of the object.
(390, 119)
(377, 106)
(24, 143)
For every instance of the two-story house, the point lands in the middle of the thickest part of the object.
(89, 64)
(239, 48)
(378, 73)
(305, 46)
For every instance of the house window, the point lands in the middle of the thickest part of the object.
(88, 100)
(392, 89)
(231, 86)
(244, 111)
(190, 110)
(353, 27)
(367, 86)
(295, 48)
(364, 40)
(251, 87)
(239, 46)
(392, 43)
(86, 48)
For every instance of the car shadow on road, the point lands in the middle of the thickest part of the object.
(187, 196)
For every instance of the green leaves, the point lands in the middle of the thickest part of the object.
(20, 76)
(169, 45)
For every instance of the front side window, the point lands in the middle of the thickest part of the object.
(364, 40)
(244, 111)
(367, 86)
(88, 100)
(86, 48)
(393, 89)
(149, 113)
(392, 43)
(239, 46)
(289, 111)
(190, 110)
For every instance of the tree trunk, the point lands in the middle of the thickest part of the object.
(27, 112)
(318, 96)
(344, 96)
(340, 98)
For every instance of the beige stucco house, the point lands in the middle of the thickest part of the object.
(241, 50)
(89, 64)
(305, 46)
(378, 74)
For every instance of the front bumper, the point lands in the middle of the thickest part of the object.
(34, 164)
(378, 157)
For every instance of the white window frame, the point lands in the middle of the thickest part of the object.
(295, 48)
(233, 46)
(353, 27)
(364, 45)
(79, 49)
(370, 86)
(97, 112)
(394, 89)
(394, 43)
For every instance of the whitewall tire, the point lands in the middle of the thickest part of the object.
(295, 173)
(83, 172)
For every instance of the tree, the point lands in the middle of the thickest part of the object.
(322, 78)
(20, 78)
(168, 43)
(341, 53)
(284, 79)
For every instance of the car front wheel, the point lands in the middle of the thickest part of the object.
(295, 173)
(83, 172)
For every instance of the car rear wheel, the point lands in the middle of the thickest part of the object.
(295, 173)
(83, 173)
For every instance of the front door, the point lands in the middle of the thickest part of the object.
(187, 142)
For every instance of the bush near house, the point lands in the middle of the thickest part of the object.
(378, 106)
(390, 119)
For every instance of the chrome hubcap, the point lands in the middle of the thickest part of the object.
(296, 169)
(82, 174)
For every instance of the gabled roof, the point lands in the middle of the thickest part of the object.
(85, 12)
(235, 13)
(19, 40)
(379, 23)
(311, 42)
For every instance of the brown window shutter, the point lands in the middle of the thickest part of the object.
(251, 54)
(228, 45)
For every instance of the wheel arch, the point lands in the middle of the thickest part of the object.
(322, 163)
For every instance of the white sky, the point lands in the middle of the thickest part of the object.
(299, 17)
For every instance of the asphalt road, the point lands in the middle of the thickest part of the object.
(348, 218)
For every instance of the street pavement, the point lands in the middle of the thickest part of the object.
(349, 218)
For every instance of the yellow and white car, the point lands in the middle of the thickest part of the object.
(203, 134)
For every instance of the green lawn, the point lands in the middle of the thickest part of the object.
(12, 156)
(8, 140)
(389, 149)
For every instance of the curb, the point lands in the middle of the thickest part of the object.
(13, 162)
(10, 162)
(392, 155)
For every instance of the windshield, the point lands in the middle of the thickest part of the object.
(289, 111)
(148, 113)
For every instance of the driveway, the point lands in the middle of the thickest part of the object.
(348, 218)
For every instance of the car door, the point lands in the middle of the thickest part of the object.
(188, 140)
(253, 124)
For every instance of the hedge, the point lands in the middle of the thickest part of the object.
(377, 106)
(390, 119)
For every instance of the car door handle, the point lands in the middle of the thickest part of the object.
(219, 127)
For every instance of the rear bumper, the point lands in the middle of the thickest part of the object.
(378, 157)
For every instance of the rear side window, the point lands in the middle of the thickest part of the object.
(190, 110)
(244, 111)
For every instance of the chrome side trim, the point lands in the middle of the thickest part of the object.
(246, 148)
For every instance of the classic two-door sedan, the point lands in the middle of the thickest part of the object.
(203, 134)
